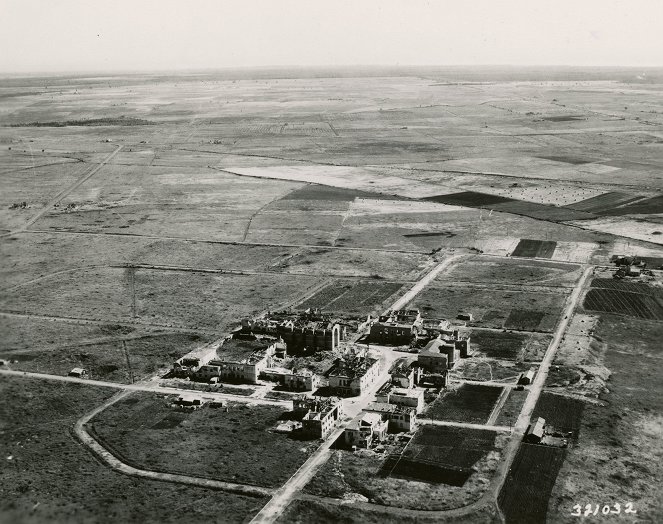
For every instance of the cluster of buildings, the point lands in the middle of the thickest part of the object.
(303, 333)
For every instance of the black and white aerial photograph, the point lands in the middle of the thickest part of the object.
(331, 262)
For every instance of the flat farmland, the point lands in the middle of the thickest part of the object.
(623, 302)
(146, 431)
(96, 293)
(469, 403)
(508, 345)
(510, 411)
(109, 352)
(562, 413)
(491, 307)
(442, 454)
(51, 467)
(524, 496)
(535, 248)
(212, 301)
(347, 475)
(485, 369)
(295, 227)
(365, 264)
(617, 454)
(36, 255)
(186, 299)
(165, 201)
(506, 271)
(348, 297)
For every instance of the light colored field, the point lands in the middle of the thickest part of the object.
(345, 177)
(637, 227)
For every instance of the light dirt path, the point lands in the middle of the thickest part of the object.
(423, 282)
(144, 386)
(469, 425)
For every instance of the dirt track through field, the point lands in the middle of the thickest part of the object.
(49, 205)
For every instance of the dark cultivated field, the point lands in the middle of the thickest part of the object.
(319, 192)
(500, 345)
(511, 409)
(524, 319)
(561, 413)
(534, 248)
(441, 454)
(624, 303)
(625, 285)
(469, 403)
(469, 199)
(651, 205)
(524, 496)
(604, 202)
(351, 297)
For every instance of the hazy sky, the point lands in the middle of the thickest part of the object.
(82, 35)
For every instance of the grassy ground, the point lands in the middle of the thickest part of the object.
(307, 511)
(617, 458)
(234, 445)
(469, 403)
(115, 353)
(490, 307)
(51, 477)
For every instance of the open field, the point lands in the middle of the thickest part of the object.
(484, 369)
(109, 352)
(366, 475)
(510, 411)
(185, 299)
(617, 455)
(286, 184)
(647, 306)
(469, 403)
(534, 249)
(442, 454)
(509, 345)
(352, 298)
(310, 509)
(147, 432)
(491, 306)
(561, 413)
(506, 271)
(524, 496)
(51, 477)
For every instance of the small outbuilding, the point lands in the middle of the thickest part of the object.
(78, 373)
(535, 431)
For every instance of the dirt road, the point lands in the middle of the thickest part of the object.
(145, 386)
(422, 283)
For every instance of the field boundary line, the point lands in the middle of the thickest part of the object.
(498, 406)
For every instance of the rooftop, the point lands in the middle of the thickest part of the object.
(351, 367)
(236, 349)
(383, 407)
(368, 419)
